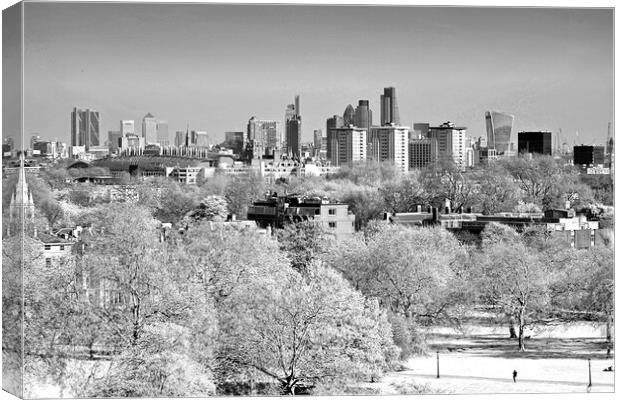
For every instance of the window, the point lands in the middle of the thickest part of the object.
(62, 248)
(332, 224)
(48, 247)
(332, 211)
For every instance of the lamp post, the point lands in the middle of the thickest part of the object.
(589, 375)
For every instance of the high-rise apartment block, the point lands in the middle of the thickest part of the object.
(347, 145)
(389, 143)
(363, 115)
(499, 129)
(264, 136)
(450, 142)
(422, 152)
(389, 107)
(535, 142)
(149, 128)
(84, 128)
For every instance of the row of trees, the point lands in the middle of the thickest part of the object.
(206, 311)
(370, 188)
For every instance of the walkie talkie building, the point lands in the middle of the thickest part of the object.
(499, 129)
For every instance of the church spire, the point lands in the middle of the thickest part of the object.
(22, 205)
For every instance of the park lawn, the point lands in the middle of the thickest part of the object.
(481, 359)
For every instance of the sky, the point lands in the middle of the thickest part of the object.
(214, 66)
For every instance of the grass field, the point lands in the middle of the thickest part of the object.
(481, 359)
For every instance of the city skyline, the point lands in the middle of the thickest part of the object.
(532, 63)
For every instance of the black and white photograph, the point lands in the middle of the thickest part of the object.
(208, 199)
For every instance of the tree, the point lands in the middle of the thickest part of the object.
(496, 190)
(415, 273)
(304, 242)
(513, 278)
(446, 181)
(402, 195)
(211, 208)
(242, 191)
(301, 331)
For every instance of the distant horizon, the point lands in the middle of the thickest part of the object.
(214, 66)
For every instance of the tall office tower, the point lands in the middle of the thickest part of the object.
(320, 143)
(289, 113)
(422, 152)
(334, 122)
(348, 144)
(363, 115)
(84, 128)
(149, 128)
(200, 139)
(499, 127)
(535, 142)
(389, 143)
(589, 155)
(33, 139)
(264, 136)
(293, 129)
(389, 107)
(420, 129)
(179, 139)
(450, 142)
(235, 141)
(127, 127)
(293, 137)
(114, 140)
(349, 116)
(162, 133)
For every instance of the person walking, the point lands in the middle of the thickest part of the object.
(514, 376)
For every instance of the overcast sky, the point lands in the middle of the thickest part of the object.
(215, 66)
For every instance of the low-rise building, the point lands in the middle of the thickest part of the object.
(277, 211)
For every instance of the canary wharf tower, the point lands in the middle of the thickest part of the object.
(499, 128)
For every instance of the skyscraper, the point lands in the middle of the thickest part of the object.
(363, 115)
(535, 142)
(450, 142)
(349, 115)
(264, 136)
(389, 107)
(114, 140)
(334, 122)
(499, 127)
(149, 128)
(179, 139)
(128, 127)
(162, 133)
(84, 127)
(348, 144)
(293, 129)
(389, 143)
